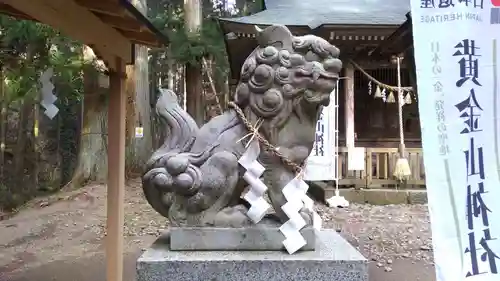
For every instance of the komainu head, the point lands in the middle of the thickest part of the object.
(287, 73)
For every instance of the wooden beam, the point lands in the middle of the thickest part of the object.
(103, 7)
(124, 23)
(105, 59)
(142, 38)
(8, 10)
(76, 22)
(116, 173)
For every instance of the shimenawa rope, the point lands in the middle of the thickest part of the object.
(293, 166)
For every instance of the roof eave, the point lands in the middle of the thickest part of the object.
(357, 26)
(239, 22)
(403, 31)
(163, 38)
(225, 21)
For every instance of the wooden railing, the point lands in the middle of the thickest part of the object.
(379, 168)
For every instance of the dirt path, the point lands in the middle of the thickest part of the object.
(63, 235)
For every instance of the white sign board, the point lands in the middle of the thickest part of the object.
(458, 90)
(139, 132)
(356, 158)
(321, 164)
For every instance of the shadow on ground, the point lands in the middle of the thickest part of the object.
(93, 269)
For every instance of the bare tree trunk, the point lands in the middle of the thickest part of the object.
(130, 88)
(140, 148)
(226, 92)
(25, 106)
(194, 80)
(171, 71)
(92, 155)
(92, 158)
(49, 171)
(143, 146)
(181, 75)
(154, 85)
(93, 151)
(3, 122)
(36, 139)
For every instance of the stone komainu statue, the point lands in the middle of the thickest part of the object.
(195, 179)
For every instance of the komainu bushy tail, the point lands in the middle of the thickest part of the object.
(181, 132)
(181, 127)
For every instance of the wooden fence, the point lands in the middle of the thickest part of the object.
(379, 168)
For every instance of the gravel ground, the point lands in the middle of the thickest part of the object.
(71, 225)
(384, 233)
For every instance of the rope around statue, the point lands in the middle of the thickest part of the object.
(294, 191)
(298, 170)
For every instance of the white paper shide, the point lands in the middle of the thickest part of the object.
(294, 192)
(255, 194)
(47, 92)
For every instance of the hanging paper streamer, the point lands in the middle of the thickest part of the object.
(295, 194)
(390, 98)
(378, 93)
(408, 99)
(370, 87)
(255, 195)
(309, 206)
(48, 98)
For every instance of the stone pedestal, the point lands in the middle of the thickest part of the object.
(333, 259)
(255, 238)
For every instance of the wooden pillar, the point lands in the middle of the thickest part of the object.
(349, 105)
(116, 172)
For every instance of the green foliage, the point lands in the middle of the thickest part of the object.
(187, 48)
(28, 48)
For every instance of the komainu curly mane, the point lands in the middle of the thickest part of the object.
(195, 178)
(277, 76)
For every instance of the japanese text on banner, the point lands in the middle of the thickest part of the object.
(458, 86)
(470, 111)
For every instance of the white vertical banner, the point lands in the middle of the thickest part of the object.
(456, 55)
(321, 164)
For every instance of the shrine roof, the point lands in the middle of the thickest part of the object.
(400, 40)
(316, 13)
